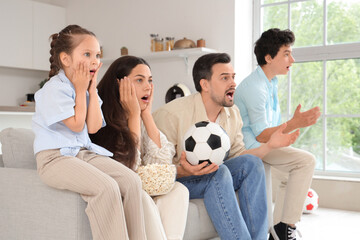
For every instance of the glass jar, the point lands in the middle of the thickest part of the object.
(169, 45)
(159, 44)
(153, 36)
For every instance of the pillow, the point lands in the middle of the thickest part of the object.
(17, 148)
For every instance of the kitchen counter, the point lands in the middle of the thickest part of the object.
(14, 110)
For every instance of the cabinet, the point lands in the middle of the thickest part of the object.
(16, 33)
(26, 27)
(47, 19)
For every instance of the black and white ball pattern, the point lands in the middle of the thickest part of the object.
(206, 141)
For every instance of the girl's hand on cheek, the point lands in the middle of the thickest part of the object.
(128, 97)
(81, 77)
(93, 82)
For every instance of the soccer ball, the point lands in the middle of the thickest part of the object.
(206, 141)
(311, 202)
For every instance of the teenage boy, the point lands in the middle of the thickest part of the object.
(257, 98)
(213, 76)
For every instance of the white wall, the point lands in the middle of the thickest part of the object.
(129, 23)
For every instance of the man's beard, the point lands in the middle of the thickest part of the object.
(222, 101)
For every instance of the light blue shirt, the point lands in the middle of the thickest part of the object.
(55, 102)
(257, 99)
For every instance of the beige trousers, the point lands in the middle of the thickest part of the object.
(166, 215)
(293, 169)
(112, 191)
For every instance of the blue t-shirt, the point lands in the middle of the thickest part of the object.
(55, 102)
(257, 99)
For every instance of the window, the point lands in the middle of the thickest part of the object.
(326, 74)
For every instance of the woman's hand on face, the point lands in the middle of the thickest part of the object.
(148, 108)
(93, 82)
(81, 77)
(128, 98)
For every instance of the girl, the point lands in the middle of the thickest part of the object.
(67, 109)
(127, 92)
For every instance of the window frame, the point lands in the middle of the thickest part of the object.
(322, 53)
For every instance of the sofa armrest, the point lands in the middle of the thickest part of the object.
(29, 209)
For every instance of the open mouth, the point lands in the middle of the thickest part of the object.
(145, 98)
(230, 94)
(92, 72)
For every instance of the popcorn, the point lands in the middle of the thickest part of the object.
(157, 179)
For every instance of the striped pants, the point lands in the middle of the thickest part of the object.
(113, 191)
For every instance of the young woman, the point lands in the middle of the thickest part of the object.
(132, 136)
(67, 109)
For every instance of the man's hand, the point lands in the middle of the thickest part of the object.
(279, 139)
(186, 169)
(299, 120)
(304, 119)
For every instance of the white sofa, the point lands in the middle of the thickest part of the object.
(31, 210)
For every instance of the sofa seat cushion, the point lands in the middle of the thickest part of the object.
(32, 210)
(17, 148)
(198, 225)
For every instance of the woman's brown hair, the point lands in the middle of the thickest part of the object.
(116, 135)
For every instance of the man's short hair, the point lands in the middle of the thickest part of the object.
(203, 67)
(270, 42)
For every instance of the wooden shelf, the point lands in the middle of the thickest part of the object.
(17, 110)
(177, 53)
(180, 53)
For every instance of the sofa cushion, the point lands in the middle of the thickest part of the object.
(198, 224)
(17, 148)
